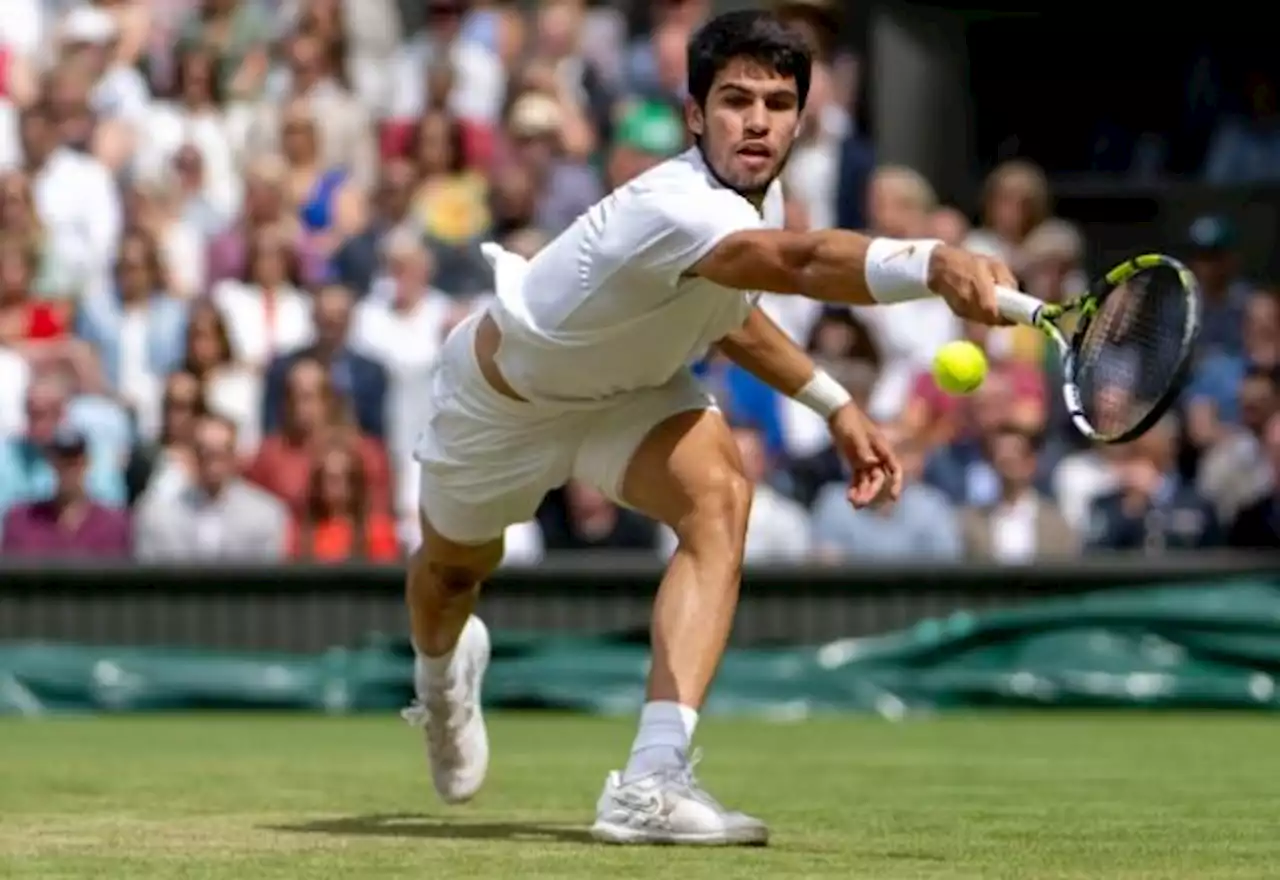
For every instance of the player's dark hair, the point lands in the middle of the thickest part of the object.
(749, 33)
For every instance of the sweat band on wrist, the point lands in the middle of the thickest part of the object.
(897, 270)
(823, 394)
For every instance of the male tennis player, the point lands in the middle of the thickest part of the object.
(580, 370)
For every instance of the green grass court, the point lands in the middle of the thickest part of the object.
(277, 798)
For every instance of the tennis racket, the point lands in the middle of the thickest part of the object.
(1125, 344)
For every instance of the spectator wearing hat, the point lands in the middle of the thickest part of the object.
(565, 186)
(69, 524)
(647, 133)
(26, 472)
(1213, 257)
(90, 36)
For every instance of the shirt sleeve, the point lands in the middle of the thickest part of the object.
(668, 234)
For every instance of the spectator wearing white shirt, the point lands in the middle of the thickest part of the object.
(74, 194)
(266, 311)
(231, 389)
(479, 85)
(401, 325)
(119, 92)
(193, 115)
(778, 530)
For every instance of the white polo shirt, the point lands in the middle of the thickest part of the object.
(607, 307)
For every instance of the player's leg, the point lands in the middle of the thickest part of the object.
(451, 648)
(679, 465)
(484, 466)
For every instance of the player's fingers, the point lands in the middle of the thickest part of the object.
(1004, 277)
(891, 466)
(988, 311)
(866, 487)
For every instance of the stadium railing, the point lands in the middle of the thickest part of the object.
(304, 608)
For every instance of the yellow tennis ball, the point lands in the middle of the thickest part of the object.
(959, 367)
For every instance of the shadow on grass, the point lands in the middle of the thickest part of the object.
(410, 825)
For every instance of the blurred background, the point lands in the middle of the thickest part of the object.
(233, 234)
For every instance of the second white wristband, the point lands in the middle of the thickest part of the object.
(823, 394)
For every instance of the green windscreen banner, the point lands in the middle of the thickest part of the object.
(1213, 646)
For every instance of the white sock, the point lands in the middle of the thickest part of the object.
(435, 669)
(666, 729)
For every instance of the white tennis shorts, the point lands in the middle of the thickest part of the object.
(488, 461)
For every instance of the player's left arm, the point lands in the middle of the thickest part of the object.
(761, 348)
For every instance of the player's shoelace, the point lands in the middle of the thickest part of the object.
(685, 783)
(451, 705)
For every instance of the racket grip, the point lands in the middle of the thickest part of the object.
(1018, 306)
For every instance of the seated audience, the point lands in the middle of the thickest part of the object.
(314, 413)
(340, 523)
(69, 524)
(1022, 524)
(219, 517)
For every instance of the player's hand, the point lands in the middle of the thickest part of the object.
(968, 281)
(876, 472)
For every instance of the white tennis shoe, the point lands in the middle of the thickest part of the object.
(670, 807)
(448, 710)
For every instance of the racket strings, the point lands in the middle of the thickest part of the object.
(1130, 353)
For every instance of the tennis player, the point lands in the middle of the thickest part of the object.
(580, 370)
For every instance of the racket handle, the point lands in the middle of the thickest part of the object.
(1018, 306)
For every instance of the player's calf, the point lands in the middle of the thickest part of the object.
(452, 653)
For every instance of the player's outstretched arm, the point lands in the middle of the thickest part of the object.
(838, 266)
(761, 348)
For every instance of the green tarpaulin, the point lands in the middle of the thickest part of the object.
(1211, 646)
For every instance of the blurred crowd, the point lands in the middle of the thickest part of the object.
(233, 234)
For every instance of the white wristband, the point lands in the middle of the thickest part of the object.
(897, 270)
(823, 394)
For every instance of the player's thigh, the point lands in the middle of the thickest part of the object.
(669, 454)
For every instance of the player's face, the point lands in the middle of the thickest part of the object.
(748, 125)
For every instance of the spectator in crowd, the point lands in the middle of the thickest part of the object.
(778, 530)
(593, 522)
(1015, 201)
(20, 222)
(648, 133)
(565, 184)
(26, 474)
(1213, 257)
(167, 466)
(239, 32)
(340, 521)
(1213, 399)
(356, 262)
(24, 318)
(357, 378)
(193, 114)
(450, 202)
(1257, 525)
(329, 128)
(68, 525)
(923, 525)
(479, 85)
(230, 389)
(1236, 469)
(313, 413)
(1152, 509)
(137, 328)
(265, 207)
(266, 311)
(950, 225)
(326, 200)
(1023, 524)
(219, 517)
(15, 375)
(75, 195)
(401, 326)
(91, 38)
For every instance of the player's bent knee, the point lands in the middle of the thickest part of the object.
(720, 509)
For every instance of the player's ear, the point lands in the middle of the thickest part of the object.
(693, 117)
